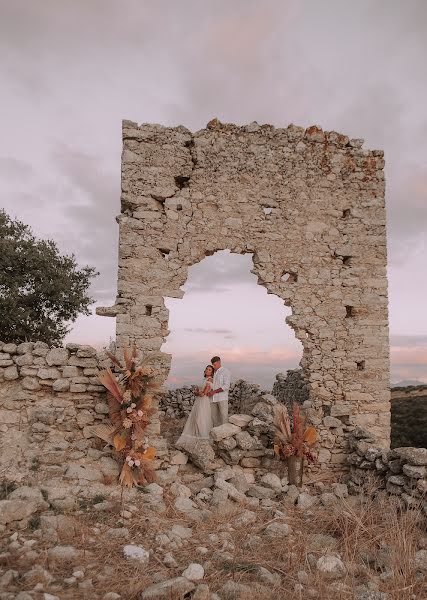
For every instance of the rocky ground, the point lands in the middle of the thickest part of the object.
(227, 527)
(210, 540)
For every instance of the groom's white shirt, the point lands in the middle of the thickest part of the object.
(222, 379)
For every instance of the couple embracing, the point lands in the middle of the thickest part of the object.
(211, 406)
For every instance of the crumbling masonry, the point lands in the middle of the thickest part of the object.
(309, 206)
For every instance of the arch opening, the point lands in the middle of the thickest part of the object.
(227, 310)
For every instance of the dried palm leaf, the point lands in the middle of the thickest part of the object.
(149, 454)
(105, 432)
(109, 381)
(310, 436)
(126, 477)
(150, 475)
(120, 440)
(114, 359)
(114, 410)
(282, 421)
(126, 358)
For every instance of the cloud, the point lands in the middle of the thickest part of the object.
(250, 363)
(93, 195)
(408, 341)
(14, 168)
(209, 331)
(219, 272)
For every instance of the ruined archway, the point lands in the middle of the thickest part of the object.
(310, 206)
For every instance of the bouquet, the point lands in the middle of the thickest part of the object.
(130, 396)
(293, 440)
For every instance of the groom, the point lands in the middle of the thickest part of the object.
(219, 394)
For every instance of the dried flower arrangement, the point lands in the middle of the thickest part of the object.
(130, 397)
(293, 441)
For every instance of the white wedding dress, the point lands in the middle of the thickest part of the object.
(199, 422)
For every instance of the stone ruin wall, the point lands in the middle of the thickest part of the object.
(309, 206)
(50, 398)
(243, 396)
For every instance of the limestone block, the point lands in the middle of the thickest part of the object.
(224, 431)
(76, 361)
(101, 408)
(24, 359)
(83, 380)
(240, 420)
(342, 409)
(57, 357)
(30, 383)
(10, 348)
(78, 388)
(48, 373)
(10, 373)
(25, 347)
(68, 371)
(86, 352)
(40, 349)
(84, 417)
(6, 362)
(16, 510)
(84, 472)
(61, 385)
(9, 417)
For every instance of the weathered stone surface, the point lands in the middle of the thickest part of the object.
(277, 530)
(57, 357)
(62, 554)
(136, 553)
(31, 383)
(10, 373)
(240, 420)
(194, 572)
(176, 588)
(16, 510)
(61, 385)
(83, 472)
(31, 495)
(331, 566)
(24, 360)
(412, 456)
(51, 373)
(224, 431)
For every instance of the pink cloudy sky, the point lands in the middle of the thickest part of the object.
(71, 71)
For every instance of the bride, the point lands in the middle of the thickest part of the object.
(199, 422)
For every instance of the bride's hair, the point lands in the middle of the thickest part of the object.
(206, 368)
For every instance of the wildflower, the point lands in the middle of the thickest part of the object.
(127, 396)
(127, 423)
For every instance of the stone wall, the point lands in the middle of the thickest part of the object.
(308, 205)
(401, 472)
(291, 388)
(49, 400)
(243, 396)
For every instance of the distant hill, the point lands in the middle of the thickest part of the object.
(407, 382)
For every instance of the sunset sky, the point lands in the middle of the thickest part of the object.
(71, 71)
